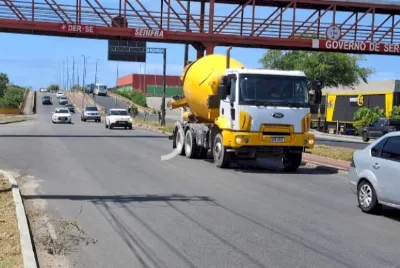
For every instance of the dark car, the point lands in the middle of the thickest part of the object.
(70, 107)
(380, 128)
(46, 100)
(91, 113)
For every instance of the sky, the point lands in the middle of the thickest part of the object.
(36, 61)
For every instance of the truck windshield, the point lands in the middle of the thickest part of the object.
(102, 87)
(261, 89)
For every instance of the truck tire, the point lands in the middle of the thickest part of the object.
(191, 147)
(365, 137)
(180, 141)
(221, 156)
(291, 161)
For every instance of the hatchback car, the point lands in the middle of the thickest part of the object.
(46, 100)
(70, 107)
(63, 100)
(374, 174)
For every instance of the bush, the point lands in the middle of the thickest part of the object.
(136, 97)
(134, 111)
(53, 88)
(365, 116)
(13, 96)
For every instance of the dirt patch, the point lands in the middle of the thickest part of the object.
(339, 153)
(53, 238)
(7, 119)
(10, 247)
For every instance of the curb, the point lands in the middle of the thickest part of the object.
(25, 236)
(311, 164)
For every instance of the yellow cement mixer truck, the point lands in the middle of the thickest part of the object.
(240, 113)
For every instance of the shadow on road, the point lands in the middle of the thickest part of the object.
(82, 136)
(272, 167)
(123, 198)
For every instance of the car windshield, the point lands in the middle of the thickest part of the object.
(122, 112)
(62, 111)
(92, 108)
(46, 97)
(260, 89)
(69, 105)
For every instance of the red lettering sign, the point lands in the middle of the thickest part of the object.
(77, 28)
(148, 33)
(357, 46)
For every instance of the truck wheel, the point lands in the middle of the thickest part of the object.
(221, 156)
(190, 145)
(365, 137)
(180, 141)
(291, 161)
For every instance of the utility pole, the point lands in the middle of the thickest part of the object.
(67, 74)
(73, 77)
(83, 80)
(164, 86)
(63, 75)
(95, 74)
(116, 84)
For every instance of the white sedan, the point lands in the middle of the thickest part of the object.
(61, 115)
(59, 94)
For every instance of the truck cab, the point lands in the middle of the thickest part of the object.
(265, 114)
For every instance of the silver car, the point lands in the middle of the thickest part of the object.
(374, 174)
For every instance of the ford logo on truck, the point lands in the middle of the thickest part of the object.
(277, 115)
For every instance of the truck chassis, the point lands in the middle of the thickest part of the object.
(194, 140)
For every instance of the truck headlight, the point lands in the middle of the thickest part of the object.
(130, 120)
(241, 139)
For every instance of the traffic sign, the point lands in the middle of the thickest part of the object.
(78, 28)
(333, 33)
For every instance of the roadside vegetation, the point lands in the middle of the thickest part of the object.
(338, 153)
(365, 116)
(10, 248)
(11, 96)
(135, 96)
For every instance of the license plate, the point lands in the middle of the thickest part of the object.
(277, 139)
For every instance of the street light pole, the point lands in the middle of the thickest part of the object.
(67, 74)
(63, 75)
(95, 74)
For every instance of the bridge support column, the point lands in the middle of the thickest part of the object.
(208, 48)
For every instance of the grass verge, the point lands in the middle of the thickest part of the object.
(10, 248)
(338, 153)
(153, 125)
(7, 119)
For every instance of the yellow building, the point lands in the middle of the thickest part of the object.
(340, 104)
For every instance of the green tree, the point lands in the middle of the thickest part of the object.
(395, 112)
(365, 117)
(53, 88)
(331, 69)
(3, 83)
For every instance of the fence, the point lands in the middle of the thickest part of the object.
(170, 91)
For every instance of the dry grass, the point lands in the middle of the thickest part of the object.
(339, 153)
(6, 119)
(153, 125)
(10, 248)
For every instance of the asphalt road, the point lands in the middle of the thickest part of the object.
(110, 102)
(187, 213)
